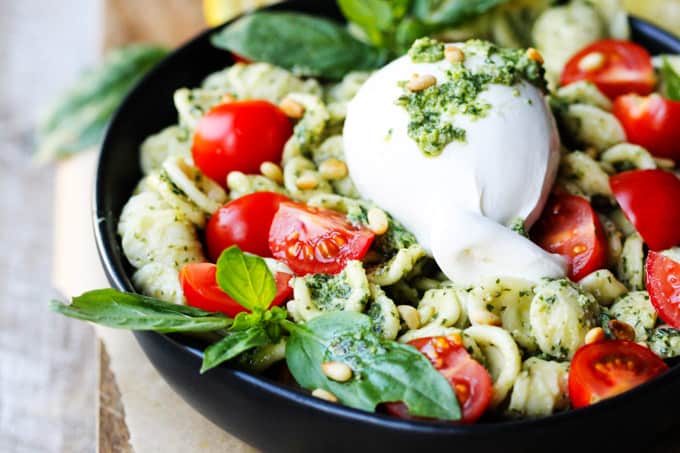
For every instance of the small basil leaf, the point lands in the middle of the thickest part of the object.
(232, 345)
(304, 44)
(671, 80)
(373, 16)
(408, 31)
(246, 279)
(452, 12)
(383, 371)
(120, 310)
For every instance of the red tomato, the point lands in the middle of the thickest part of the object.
(663, 285)
(570, 227)
(245, 222)
(469, 379)
(239, 136)
(651, 122)
(650, 200)
(201, 290)
(609, 368)
(626, 68)
(314, 240)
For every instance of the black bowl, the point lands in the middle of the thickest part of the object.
(275, 417)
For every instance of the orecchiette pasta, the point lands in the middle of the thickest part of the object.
(636, 310)
(603, 285)
(171, 141)
(586, 173)
(592, 126)
(614, 240)
(665, 342)
(440, 307)
(631, 265)
(396, 267)
(584, 93)
(627, 153)
(540, 389)
(240, 184)
(383, 312)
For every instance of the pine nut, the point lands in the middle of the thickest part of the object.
(664, 163)
(420, 82)
(456, 338)
(272, 171)
(227, 98)
(410, 316)
(535, 55)
(325, 395)
(291, 108)
(595, 335)
(337, 371)
(333, 169)
(307, 181)
(591, 62)
(621, 330)
(236, 179)
(453, 54)
(377, 221)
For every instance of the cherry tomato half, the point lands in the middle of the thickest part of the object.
(649, 199)
(609, 368)
(623, 67)
(651, 122)
(315, 240)
(201, 291)
(469, 379)
(239, 136)
(663, 285)
(245, 222)
(570, 227)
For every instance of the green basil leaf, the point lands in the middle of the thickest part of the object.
(246, 278)
(671, 80)
(452, 12)
(78, 120)
(373, 16)
(383, 371)
(132, 311)
(304, 44)
(232, 345)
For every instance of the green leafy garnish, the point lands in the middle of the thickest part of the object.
(451, 12)
(232, 345)
(671, 80)
(304, 44)
(120, 310)
(383, 371)
(246, 278)
(78, 120)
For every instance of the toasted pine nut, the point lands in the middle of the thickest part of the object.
(325, 395)
(595, 335)
(307, 181)
(333, 169)
(664, 163)
(227, 98)
(337, 371)
(410, 316)
(377, 221)
(236, 179)
(420, 82)
(272, 171)
(456, 338)
(621, 330)
(535, 55)
(591, 62)
(453, 54)
(291, 108)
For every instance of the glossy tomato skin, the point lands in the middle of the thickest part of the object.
(239, 136)
(570, 227)
(649, 199)
(651, 122)
(244, 222)
(469, 379)
(663, 285)
(200, 289)
(606, 369)
(627, 68)
(314, 240)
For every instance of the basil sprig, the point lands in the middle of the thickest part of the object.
(383, 371)
(671, 80)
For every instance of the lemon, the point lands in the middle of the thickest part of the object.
(216, 12)
(664, 13)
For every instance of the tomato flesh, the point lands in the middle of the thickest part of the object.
(663, 285)
(625, 68)
(651, 122)
(606, 369)
(470, 380)
(239, 136)
(244, 222)
(570, 227)
(649, 199)
(314, 240)
(200, 288)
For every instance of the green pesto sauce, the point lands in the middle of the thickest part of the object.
(426, 50)
(327, 290)
(432, 111)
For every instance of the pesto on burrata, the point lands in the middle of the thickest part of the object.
(457, 142)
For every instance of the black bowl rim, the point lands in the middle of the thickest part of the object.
(118, 279)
